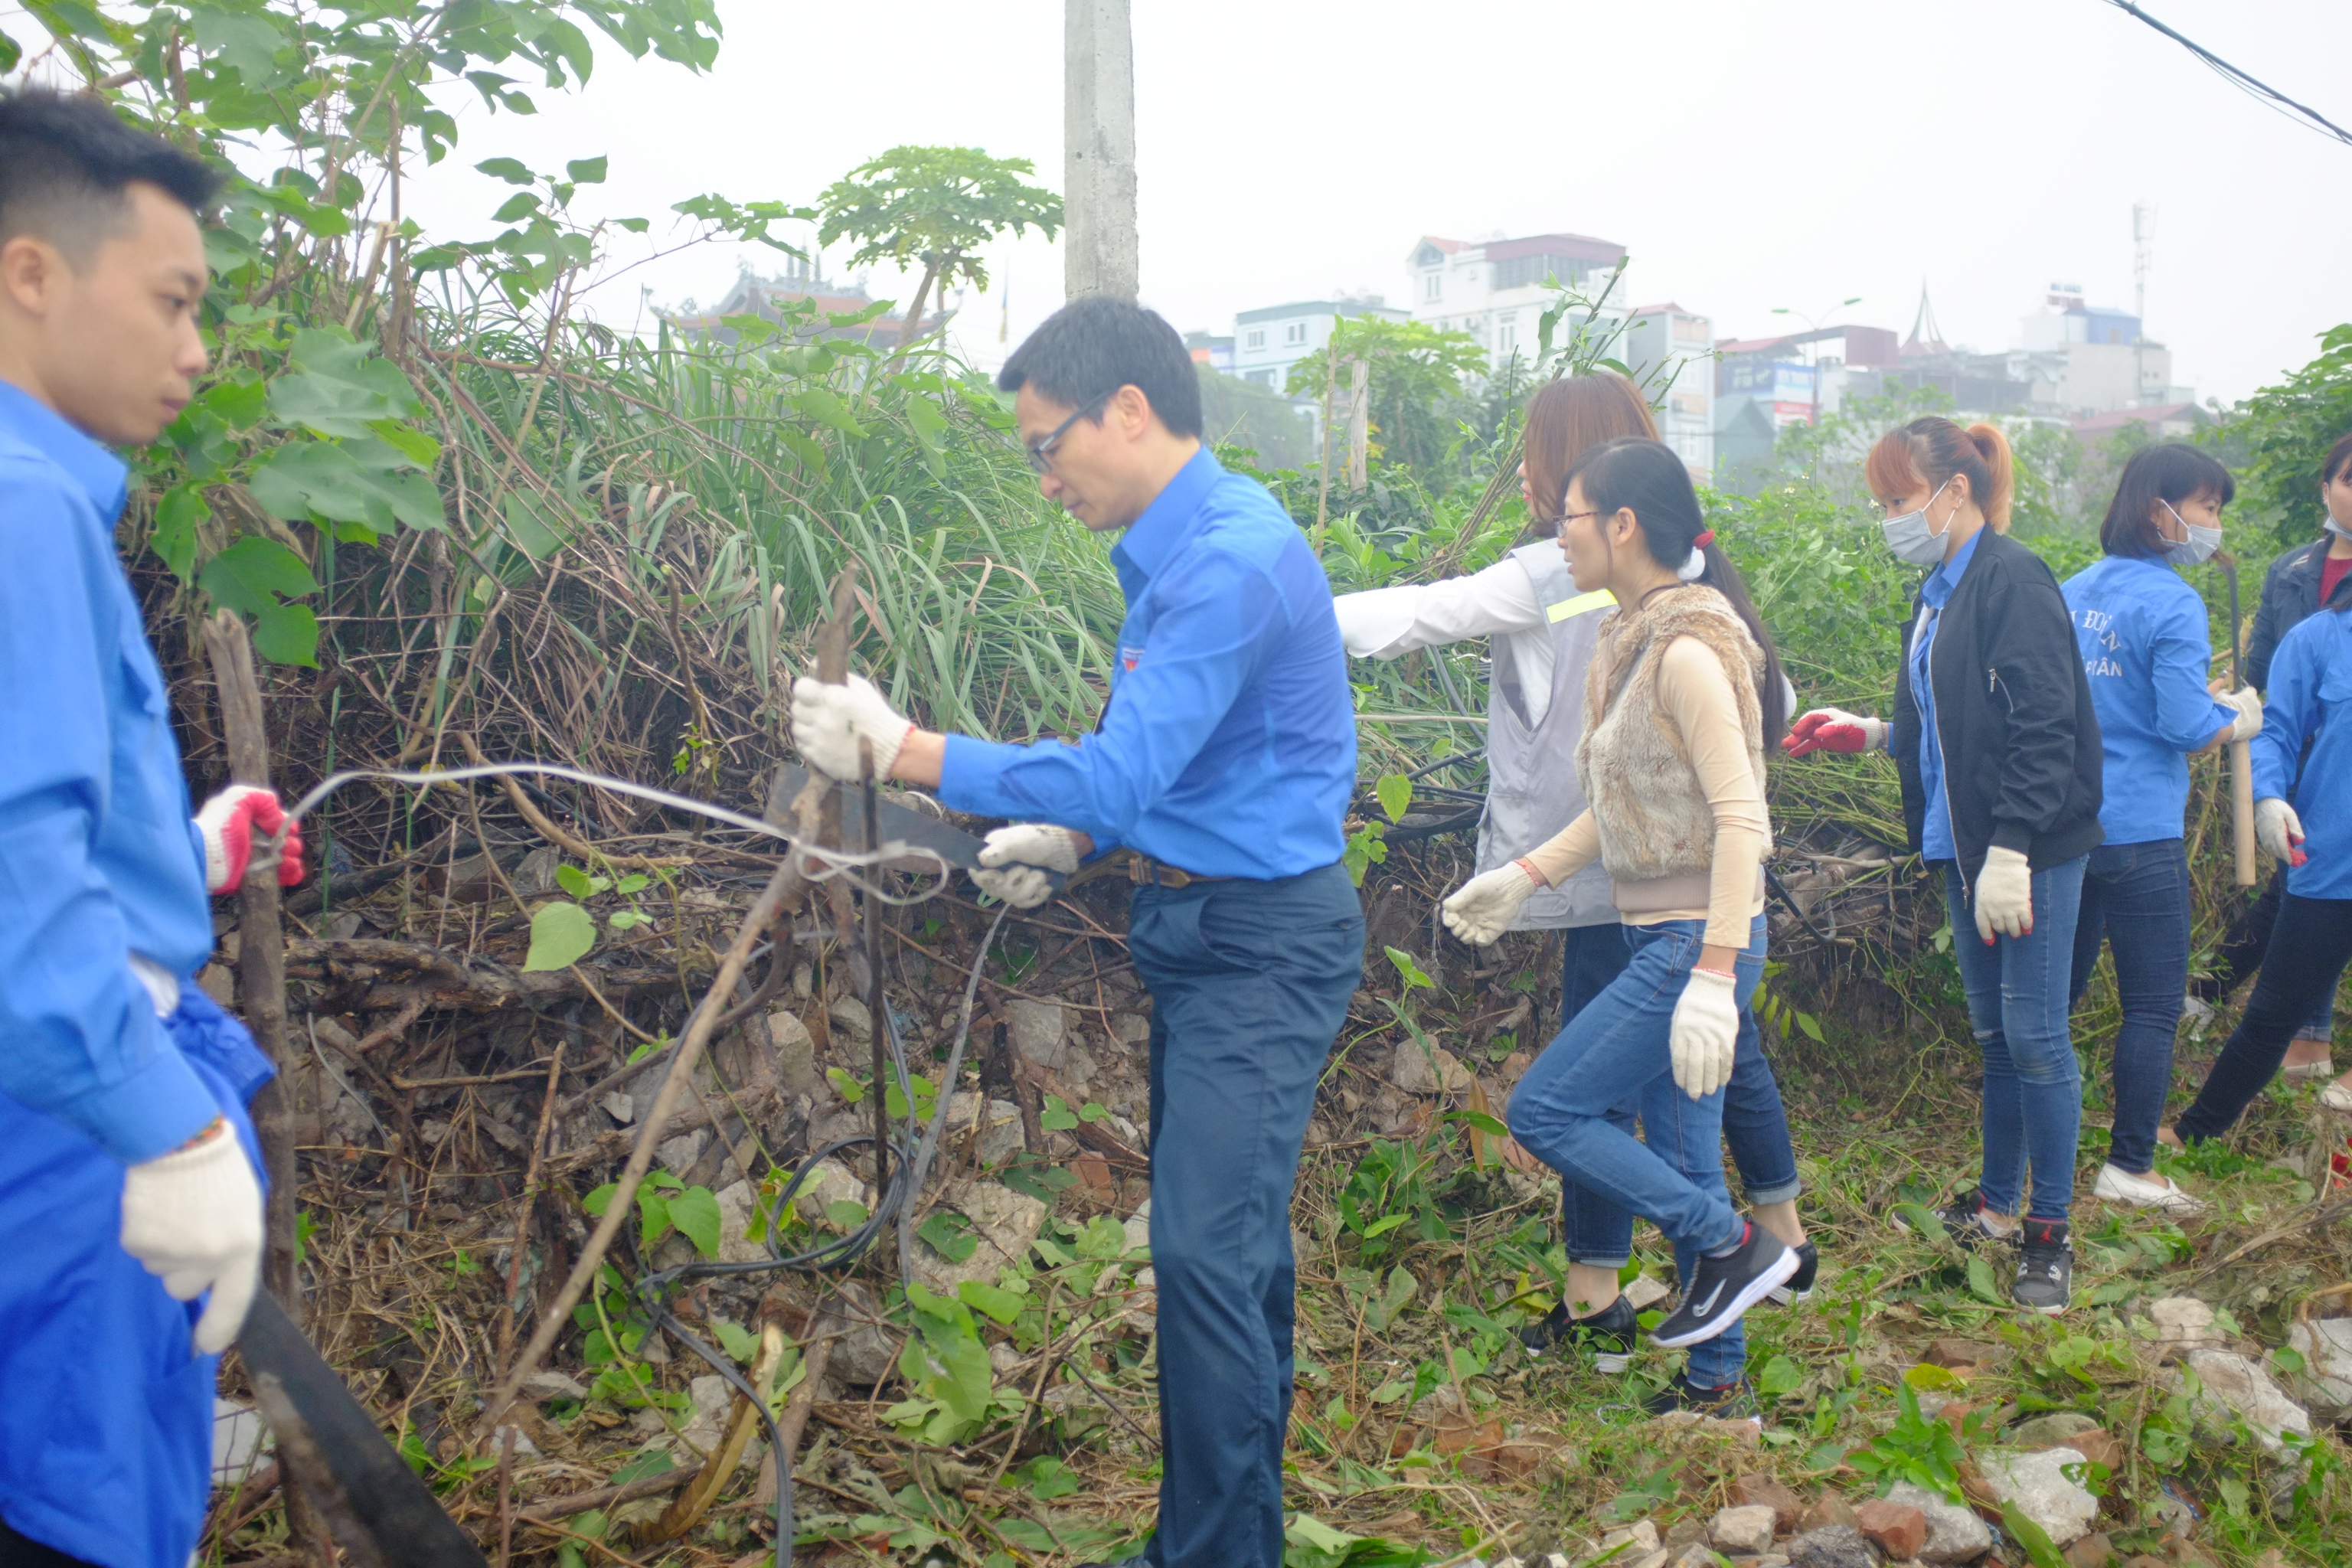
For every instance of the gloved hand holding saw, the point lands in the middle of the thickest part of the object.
(229, 823)
(1019, 861)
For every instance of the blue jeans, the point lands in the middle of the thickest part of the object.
(2136, 895)
(1614, 1055)
(1250, 982)
(2017, 1006)
(1755, 1122)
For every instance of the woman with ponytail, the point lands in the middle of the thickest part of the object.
(1999, 749)
(1683, 696)
(1544, 631)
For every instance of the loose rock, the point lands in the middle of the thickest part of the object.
(1895, 1528)
(796, 1067)
(1831, 1546)
(1763, 1492)
(1419, 1069)
(850, 1016)
(545, 1384)
(1955, 1534)
(2184, 1323)
(1040, 1031)
(738, 1203)
(1826, 1508)
(1746, 1530)
(2038, 1486)
(2325, 1347)
(2049, 1431)
(2246, 1391)
(2094, 1551)
(1007, 1222)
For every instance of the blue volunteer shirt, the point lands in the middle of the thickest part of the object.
(2310, 699)
(2147, 650)
(1228, 747)
(98, 857)
(1934, 833)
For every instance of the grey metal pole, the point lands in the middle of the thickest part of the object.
(1098, 246)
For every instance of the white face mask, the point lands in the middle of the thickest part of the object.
(2198, 546)
(1908, 537)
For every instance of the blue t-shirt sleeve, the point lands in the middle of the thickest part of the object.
(2181, 659)
(78, 1035)
(1214, 622)
(2290, 711)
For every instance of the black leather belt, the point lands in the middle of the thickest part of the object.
(1145, 872)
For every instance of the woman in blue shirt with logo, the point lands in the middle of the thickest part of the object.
(2147, 649)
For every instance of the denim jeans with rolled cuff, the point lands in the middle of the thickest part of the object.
(2017, 988)
(2136, 898)
(1614, 1054)
(2308, 949)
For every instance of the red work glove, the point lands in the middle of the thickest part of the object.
(230, 821)
(1834, 729)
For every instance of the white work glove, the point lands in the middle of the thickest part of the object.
(2279, 830)
(2248, 706)
(192, 1217)
(1025, 852)
(828, 722)
(231, 822)
(1834, 729)
(2004, 895)
(1704, 1033)
(1480, 910)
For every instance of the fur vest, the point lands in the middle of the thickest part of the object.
(1655, 824)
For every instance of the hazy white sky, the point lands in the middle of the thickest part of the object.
(1749, 155)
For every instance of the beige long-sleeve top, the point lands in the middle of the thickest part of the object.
(1695, 692)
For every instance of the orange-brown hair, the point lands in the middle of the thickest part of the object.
(1931, 450)
(1566, 419)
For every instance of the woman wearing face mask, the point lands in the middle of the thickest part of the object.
(2146, 647)
(1544, 630)
(2303, 772)
(1998, 746)
(2298, 582)
(1682, 693)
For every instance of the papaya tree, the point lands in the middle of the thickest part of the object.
(936, 206)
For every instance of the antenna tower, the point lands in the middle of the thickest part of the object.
(2143, 257)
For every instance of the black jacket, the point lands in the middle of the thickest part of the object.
(2021, 742)
(2290, 593)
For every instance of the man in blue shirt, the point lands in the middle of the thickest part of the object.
(124, 1154)
(1224, 764)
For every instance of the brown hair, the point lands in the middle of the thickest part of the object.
(1931, 450)
(1566, 419)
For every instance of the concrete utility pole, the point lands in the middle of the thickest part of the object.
(1099, 244)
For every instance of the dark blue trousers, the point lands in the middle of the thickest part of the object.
(1250, 982)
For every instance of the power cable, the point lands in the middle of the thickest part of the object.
(2270, 97)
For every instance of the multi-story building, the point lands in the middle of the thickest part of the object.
(1670, 351)
(1268, 342)
(1497, 289)
(2088, 360)
(1215, 353)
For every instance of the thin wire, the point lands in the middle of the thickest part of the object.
(830, 863)
(2239, 78)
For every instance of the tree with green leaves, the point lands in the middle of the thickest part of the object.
(2276, 438)
(1416, 383)
(936, 206)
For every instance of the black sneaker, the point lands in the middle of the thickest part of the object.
(2045, 1269)
(1733, 1402)
(1606, 1335)
(1721, 1289)
(1801, 1283)
(1964, 1224)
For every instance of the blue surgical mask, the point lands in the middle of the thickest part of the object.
(2198, 546)
(1908, 537)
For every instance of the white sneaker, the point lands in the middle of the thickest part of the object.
(2153, 1191)
(2336, 1097)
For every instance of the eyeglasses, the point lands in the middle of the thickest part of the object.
(1041, 456)
(1568, 517)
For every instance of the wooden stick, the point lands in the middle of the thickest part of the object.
(780, 887)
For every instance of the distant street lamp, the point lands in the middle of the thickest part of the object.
(1813, 416)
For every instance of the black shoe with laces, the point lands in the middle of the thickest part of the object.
(1801, 1283)
(1607, 1336)
(2045, 1267)
(1964, 1224)
(1720, 1290)
(1733, 1402)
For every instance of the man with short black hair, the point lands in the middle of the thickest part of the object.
(129, 1202)
(1224, 764)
